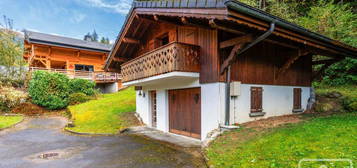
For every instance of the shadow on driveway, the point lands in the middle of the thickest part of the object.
(41, 143)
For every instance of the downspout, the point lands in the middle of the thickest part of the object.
(228, 70)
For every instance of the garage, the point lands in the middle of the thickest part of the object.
(185, 112)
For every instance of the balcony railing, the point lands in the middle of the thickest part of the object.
(97, 76)
(168, 58)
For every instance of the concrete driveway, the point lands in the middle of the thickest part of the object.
(41, 143)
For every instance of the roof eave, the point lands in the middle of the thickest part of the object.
(34, 41)
(261, 15)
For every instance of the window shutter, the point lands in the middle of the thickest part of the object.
(256, 99)
(297, 98)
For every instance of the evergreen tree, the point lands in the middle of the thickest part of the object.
(94, 36)
(104, 40)
(88, 37)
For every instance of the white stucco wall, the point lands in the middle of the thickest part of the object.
(108, 87)
(143, 103)
(277, 101)
(142, 107)
(212, 107)
(212, 104)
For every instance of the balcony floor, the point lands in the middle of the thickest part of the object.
(165, 79)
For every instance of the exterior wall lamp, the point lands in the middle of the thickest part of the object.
(140, 89)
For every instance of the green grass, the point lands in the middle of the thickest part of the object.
(108, 114)
(324, 137)
(8, 121)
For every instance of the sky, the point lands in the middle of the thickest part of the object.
(70, 18)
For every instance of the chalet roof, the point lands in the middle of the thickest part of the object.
(233, 13)
(66, 42)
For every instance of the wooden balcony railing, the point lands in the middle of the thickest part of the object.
(97, 76)
(174, 56)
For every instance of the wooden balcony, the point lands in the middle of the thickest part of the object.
(172, 57)
(97, 76)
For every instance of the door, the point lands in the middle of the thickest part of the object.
(185, 112)
(153, 108)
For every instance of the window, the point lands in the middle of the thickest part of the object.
(165, 40)
(297, 100)
(256, 102)
(162, 40)
(79, 67)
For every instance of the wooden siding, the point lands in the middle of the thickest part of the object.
(64, 58)
(207, 40)
(157, 30)
(260, 65)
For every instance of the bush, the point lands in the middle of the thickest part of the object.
(10, 98)
(82, 86)
(77, 98)
(350, 103)
(56, 91)
(50, 90)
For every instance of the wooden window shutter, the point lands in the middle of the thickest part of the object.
(256, 99)
(297, 98)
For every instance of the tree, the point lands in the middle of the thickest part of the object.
(88, 37)
(94, 36)
(337, 21)
(11, 52)
(104, 40)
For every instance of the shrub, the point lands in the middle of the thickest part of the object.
(82, 86)
(76, 98)
(350, 103)
(50, 90)
(10, 98)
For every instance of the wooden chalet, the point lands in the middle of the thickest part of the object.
(73, 57)
(199, 65)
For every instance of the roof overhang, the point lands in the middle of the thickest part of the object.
(236, 13)
(41, 42)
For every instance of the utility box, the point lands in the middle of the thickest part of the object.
(235, 89)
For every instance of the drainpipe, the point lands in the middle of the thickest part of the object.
(228, 70)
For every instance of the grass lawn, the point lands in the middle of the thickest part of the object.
(108, 114)
(322, 137)
(8, 121)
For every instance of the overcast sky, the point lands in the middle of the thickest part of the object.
(71, 18)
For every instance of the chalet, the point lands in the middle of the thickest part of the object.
(198, 65)
(73, 57)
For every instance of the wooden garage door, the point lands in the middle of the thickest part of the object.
(185, 112)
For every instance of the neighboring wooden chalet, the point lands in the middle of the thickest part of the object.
(73, 57)
(199, 65)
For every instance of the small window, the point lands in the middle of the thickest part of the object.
(297, 100)
(162, 40)
(165, 40)
(80, 67)
(256, 102)
(256, 94)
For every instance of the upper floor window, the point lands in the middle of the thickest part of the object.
(80, 67)
(162, 40)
